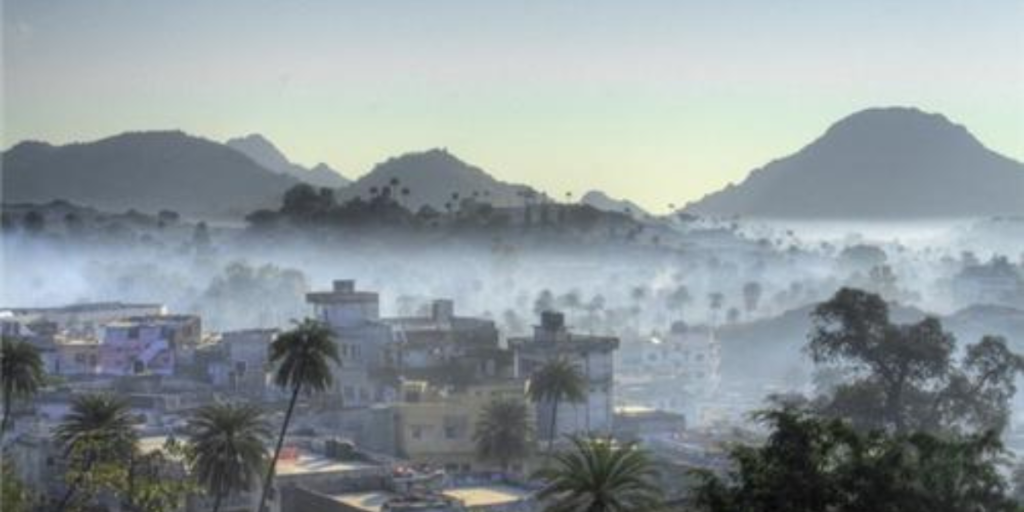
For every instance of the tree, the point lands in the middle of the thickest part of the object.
(21, 374)
(34, 222)
(302, 357)
(158, 481)
(227, 447)
(556, 382)
(903, 376)
(503, 432)
(814, 464)
(751, 295)
(14, 495)
(600, 475)
(98, 440)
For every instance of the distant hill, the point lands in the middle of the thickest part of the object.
(263, 152)
(887, 163)
(432, 177)
(603, 201)
(147, 171)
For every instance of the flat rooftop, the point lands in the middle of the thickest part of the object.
(488, 495)
(368, 501)
(310, 463)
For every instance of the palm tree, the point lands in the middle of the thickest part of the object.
(556, 382)
(21, 374)
(503, 432)
(303, 357)
(227, 448)
(97, 430)
(600, 475)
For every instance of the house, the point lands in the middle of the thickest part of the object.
(241, 361)
(593, 358)
(148, 344)
(363, 342)
(454, 348)
(437, 426)
(85, 319)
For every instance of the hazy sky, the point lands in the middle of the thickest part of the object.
(659, 101)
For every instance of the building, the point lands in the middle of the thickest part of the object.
(241, 361)
(86, 319)
(593, 358)
(363, 343)
(691, 357)
(148, 344)
(448, 346)
(437, 426)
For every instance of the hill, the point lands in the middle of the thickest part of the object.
(887, 163)
(146, 171)
(265, 153)
(602, 201)
(436, 178)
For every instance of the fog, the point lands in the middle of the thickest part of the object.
(634, 289)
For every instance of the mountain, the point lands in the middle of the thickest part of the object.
(604, 202)
(885, 163)
(147, 171)
(432, 177)
(263, 152)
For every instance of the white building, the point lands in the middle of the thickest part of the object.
(593, 358)
(362, 340)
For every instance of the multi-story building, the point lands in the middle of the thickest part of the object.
(448, 348)
(86, 319)
(437, 426)
(691, 357)
(593, 358)
(363, 341)
(241, 361)
(148, 344)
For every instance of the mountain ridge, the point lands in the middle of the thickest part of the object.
(892, 162)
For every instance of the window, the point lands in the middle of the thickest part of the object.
(416, 432)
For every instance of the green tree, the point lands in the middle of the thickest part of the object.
(21, 374)
(98, 441)
(159, 481)
(600, 475)
(303, 358)
(503, 432)
(902, 376)
(556, 382)
(14, 495)
(814, 464)
(227, 447)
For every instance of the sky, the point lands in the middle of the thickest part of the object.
(660, 102)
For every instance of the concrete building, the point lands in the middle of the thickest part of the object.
(363, 342)
(85, 319)
(148, 344)
(593, 358)
(460, 348)
(437, 426)
(241, 361)
(691, 357)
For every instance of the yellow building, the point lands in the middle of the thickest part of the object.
(437, 427)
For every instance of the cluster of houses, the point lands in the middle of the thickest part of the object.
(395, 432)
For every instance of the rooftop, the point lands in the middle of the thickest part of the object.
(302, 462)
(489, 495)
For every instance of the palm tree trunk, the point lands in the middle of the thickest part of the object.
(7, 413)
(66, 500)
(216, 501)
(553, 431)
(269, 480)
